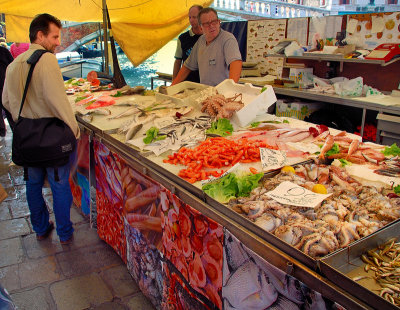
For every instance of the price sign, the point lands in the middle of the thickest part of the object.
(272, 159)
(289, 193)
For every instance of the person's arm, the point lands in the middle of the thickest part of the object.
(182, 75)
(177, 66)
(235, 68)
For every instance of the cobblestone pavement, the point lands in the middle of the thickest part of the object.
(86, 274)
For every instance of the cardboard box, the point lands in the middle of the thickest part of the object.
(255, 101)
(299, 110)
(3, 193)
(301, 75)
(174, 90)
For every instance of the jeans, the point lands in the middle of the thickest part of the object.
(62, 200)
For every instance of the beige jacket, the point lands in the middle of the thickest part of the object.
(46, 95)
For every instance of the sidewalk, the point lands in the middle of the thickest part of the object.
(86, 274)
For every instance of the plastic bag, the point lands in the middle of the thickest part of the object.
(349, 88)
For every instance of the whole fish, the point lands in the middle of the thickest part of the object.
(133, 131)
(353, 147)
(128, 112)
(327, 146)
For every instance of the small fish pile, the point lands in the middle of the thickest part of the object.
(385, 262)
(352, 211)
(221, 107)
(390, 167)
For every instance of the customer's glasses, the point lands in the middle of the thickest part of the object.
(211, 23)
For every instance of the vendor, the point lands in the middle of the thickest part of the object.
(216, 54)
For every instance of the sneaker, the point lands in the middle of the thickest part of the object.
(47, 232)
(68, 241)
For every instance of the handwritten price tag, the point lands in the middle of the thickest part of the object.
(289, 193)
(272, 159)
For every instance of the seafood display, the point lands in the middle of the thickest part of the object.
(384, 262)
(193, 244)
(221, 107)
(352, 150)
(351, 212)
(250, 282)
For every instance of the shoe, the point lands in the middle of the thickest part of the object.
(46, 233)
(68, 241)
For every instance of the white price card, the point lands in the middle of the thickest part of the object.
(289, 193)
(272, 159)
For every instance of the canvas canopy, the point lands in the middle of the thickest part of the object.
(141, 27)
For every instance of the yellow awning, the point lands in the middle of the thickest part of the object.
(141, 27)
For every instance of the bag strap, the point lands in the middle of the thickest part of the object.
(32, 61)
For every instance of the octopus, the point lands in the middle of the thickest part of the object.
(221, 107)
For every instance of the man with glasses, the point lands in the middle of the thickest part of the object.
(216, 54)
(186, 41)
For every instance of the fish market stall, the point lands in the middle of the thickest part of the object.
(157, 163)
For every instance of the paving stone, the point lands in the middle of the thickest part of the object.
(80, 293)
(4, 212)
(20, 209)
(9, 278)
(85, 236)
(34, 299)
(120, 281)
(36, 249)
(76, 216)
(109, 306)
(13, 228)
(38, 271)
(10, 252)
(139, 301)
(88, 259)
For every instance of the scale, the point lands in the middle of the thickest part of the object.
(385, 52)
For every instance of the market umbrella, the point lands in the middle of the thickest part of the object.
(141, 27)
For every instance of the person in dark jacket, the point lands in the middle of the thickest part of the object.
(185, 44)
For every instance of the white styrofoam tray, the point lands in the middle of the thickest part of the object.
(173, 90)
(255, 101)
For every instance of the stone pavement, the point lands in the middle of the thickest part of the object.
(86, 274)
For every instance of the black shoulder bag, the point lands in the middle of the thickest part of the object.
(42, 142)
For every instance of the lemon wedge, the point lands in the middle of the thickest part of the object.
(319, 189)
(288, 169)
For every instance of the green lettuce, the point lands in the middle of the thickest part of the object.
(391, 150)
(334, 150)
(344, 162)
(152, 135)
(231, 186)
(397, 189)
(221, 127)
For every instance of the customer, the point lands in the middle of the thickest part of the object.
(185, 44)
(46, 98)
(18, 48)
(5, 60)
(216, 54)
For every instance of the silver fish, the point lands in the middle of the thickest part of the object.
(87, 118)
(133, 131)
(102, 111)
(126, 113)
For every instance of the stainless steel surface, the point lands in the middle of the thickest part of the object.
(338, 266)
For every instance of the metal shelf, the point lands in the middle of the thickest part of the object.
(336, 57)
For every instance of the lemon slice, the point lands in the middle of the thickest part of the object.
(319, 189)
(288, 169)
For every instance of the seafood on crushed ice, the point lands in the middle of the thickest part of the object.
(352, 211)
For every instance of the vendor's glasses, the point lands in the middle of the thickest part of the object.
(211, 23)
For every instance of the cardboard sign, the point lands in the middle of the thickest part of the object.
(272, 159)
(292, 194)
(3, 193)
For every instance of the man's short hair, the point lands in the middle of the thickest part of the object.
(42, 23)
(198, 6)
(205, 11)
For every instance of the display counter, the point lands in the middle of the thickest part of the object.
(187, 250)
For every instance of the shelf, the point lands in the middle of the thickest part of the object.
(335, 57)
